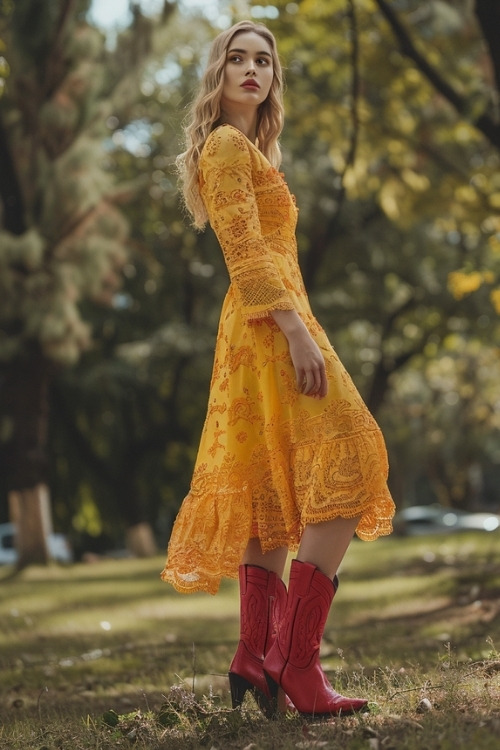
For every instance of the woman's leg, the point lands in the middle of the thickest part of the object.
(262, 604)
(325, 544)
(292, 663)
(274, 560)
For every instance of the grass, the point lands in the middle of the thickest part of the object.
(104, 655)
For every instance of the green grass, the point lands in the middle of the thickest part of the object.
(105, 655)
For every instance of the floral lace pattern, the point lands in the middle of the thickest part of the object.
(270, 460)
(248, 205)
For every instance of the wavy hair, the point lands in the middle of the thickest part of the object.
(205, 114)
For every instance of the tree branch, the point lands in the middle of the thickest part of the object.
(484, 123)
(488, 15)
(317, 252)
(54, 67)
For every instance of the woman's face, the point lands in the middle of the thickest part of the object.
(248, 73)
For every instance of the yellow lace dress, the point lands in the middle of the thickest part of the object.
(270, 460)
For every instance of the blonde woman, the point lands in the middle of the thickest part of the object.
(289, 458)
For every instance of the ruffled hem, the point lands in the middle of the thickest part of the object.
(206, 576)
(191, 583)
(202, 549)
(345, 477)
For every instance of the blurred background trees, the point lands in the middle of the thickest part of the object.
(109, 301)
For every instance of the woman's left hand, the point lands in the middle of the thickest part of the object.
(307, 358)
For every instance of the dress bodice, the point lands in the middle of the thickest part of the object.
(254, 217)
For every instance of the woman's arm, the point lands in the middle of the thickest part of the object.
(306, 355)
(228, 193)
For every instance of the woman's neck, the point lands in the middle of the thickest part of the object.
(243, 122)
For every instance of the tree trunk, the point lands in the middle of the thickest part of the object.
(30, 511)
(24, 408)
(10, 192)
(140, 540)
(24, 405)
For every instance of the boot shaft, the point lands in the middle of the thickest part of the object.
(292, 665)
(262, 604)
(310, 595)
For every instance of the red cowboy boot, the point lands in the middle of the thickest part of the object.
(262, 603)
(292, 663)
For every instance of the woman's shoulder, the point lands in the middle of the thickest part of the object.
(227, 143)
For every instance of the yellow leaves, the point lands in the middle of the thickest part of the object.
(462, 283)
(389, 197)
(494, 243)
(356, 175)
(494, 200)
(464, 133)
(414, 180)
(412, 76)
(495, 299)
(406, 122)
(4, 72)
(395, 195)
(4, 67)
(88, 518)
(396, 146)
(466, 194)
(312, 9)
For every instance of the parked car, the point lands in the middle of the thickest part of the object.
(434, 519)
(59, 547)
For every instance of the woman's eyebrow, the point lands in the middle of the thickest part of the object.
(244, 52)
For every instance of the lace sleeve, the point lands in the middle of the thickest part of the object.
(228, 194)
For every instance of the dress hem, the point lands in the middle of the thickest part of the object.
(190, 582)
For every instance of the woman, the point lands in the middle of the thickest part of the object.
(290, 458)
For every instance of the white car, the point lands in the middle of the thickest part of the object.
(434, 519)
(59, 548)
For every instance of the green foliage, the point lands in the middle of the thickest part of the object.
(72, 242)
(130, 415)
(398, 236)
(383, 235)
(6, 8)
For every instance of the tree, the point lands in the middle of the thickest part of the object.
(129, 414)
(381, 169)
(400, 210)
(63, 236)
(396, 189)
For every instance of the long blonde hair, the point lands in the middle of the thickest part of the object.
(205, 113)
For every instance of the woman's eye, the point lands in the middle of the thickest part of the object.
(235, 58)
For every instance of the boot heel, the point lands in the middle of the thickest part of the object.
(239, 687)
(278, 696)
(272, 685)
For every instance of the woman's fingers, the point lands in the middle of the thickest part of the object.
(308, 361)
(313, 382)
(323, 388)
